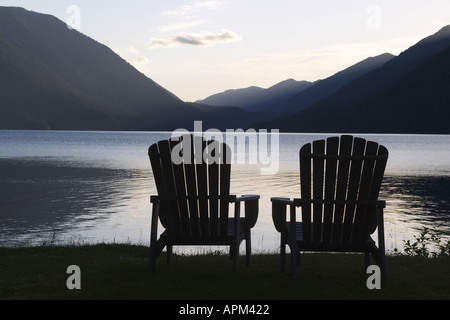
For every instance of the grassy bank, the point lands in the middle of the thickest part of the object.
(121, 272)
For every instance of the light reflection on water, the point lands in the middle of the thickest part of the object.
(44, 203)
(96, 187)
(41, 201)
(412, 203)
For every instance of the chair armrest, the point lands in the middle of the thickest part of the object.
(154, 199)
(279, 210)
(246, 198)
(381, 204)
(283, 201)
(251, 208)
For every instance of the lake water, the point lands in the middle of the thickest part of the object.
(90, 187)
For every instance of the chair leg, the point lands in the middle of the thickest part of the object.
(283, 253)
(169, 254)
(235, 253)
(232, 252)
(380, 259)
(381, 243)
(152, 259)
(156, 248)
(156, 245)
(366, 261)
(294, 260)
(248, 247)
(382, 265)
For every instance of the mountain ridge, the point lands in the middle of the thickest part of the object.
(394, 69)
(323, 88)
(54, 77)
(291, 96)
(377, 101)
(255, 98)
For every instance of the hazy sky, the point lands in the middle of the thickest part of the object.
(201, 47)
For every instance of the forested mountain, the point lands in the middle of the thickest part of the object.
(418, 103)
(290, 96)
(256, 98)
(408, 94)
(52, 77)
(323, 88)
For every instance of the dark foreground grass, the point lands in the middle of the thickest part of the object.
(121, 272)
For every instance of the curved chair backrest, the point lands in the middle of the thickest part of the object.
(342, 177)
(192, 178)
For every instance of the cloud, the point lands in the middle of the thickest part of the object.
(211, 4)
(141, 64)
(141, 60)
(180, 26)
(195, 39)
(188, 8)
(131, 49)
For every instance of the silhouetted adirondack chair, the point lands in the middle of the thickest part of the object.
(340, 180)
(194, 196)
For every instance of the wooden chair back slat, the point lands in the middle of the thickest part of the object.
(191, 186)
(305, 186)
(224, 185)
(170, 184)
(180, 186)
(155, 159)
(318, 180)
(359, 146)
(202, 188)
(377, 180)
(214, 182)
(345, 149)
(362, 211)
(330, 187)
